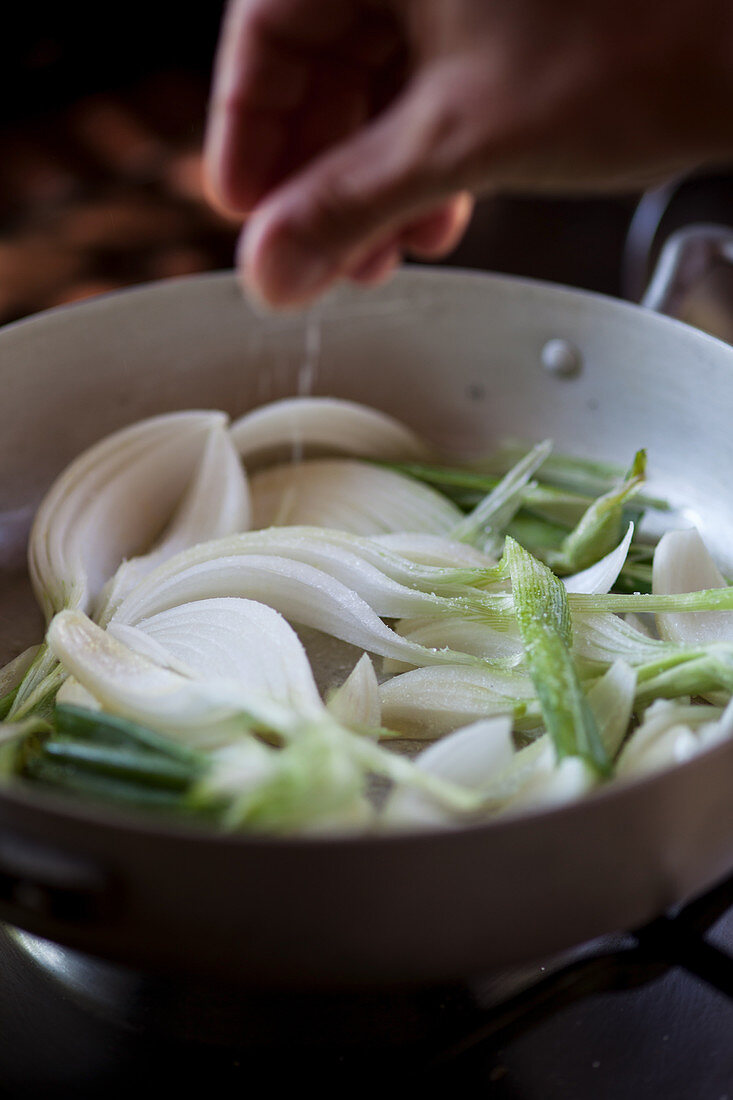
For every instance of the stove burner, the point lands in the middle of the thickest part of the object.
(649, 1012)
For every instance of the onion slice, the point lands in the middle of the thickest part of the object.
(216, 504)
(302, 593)
(301, 425)
(682, 563)
(110, 503)
(356, 703)
(348, 496)
(200, 709)
(470, 756)
(602, 576)
(429, 702)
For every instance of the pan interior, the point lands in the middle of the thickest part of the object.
(461, 358)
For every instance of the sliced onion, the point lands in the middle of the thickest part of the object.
(602, 576)
(356, 703)
(463, 634)
(612, 701)
(469, 756)
(72, 694)
(429, 702)
(531, 779)
(303, 594)
(675, 745)
(435, 550)
(239, 640)
(348, 557)
(349, 496)
(662, 716)
(682, 563)
(571, 778)
(302, 425)
(13, 672)
(111, 503)
(216, 504)
(604, 638)
(124, 682)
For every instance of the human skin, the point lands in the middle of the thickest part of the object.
(348, 132)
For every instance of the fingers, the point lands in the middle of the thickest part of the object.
(438, 232)
(430, 237)
(328, 220)
(291, 77)
(255, 80)
(378, 266)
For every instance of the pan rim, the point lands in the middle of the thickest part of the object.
(57, 807)
(407, 273)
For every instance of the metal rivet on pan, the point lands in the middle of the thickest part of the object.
(561, 357)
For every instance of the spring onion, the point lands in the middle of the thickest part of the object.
(177, 559)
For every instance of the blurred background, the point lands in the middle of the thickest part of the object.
(101, 121)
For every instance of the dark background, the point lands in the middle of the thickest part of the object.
(101, 120)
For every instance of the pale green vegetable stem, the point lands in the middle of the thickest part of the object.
(543, 615)
(599, 529)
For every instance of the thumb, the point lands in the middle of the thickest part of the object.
(330, 216)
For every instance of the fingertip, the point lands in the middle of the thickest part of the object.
(377, 267)
(277, 269)
(241, 155)
(438, 232)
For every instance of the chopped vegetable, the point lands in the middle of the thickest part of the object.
(492, 610)
(543, 616)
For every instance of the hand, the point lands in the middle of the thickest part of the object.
(353, 130)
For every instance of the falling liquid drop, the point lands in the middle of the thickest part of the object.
(307, 372)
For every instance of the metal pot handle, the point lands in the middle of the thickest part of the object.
(686, 258)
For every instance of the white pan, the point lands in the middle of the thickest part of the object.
(464, 359)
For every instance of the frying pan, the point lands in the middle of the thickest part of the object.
(466, 359)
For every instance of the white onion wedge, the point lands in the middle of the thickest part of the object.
(603, 638)
(356, 702)
(640, 753)
(147, 647)
(674, 746)
(481, 757)
(301, 593)
(200, 712)
(215, 504)
(711, 733)
(207, 710)
(13, 672)
(385, 579)
(637, 623)
(428, 702)
(302, 425)
(435, 550)
(682, 563)
(470, 756)
(72, 694)
(348, 496)
(463, 634)
(111, 503)
(532, 779)
(611, 699)
(239, 640)
(570, 779)
(601, 576)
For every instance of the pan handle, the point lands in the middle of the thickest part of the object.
(686, 258)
